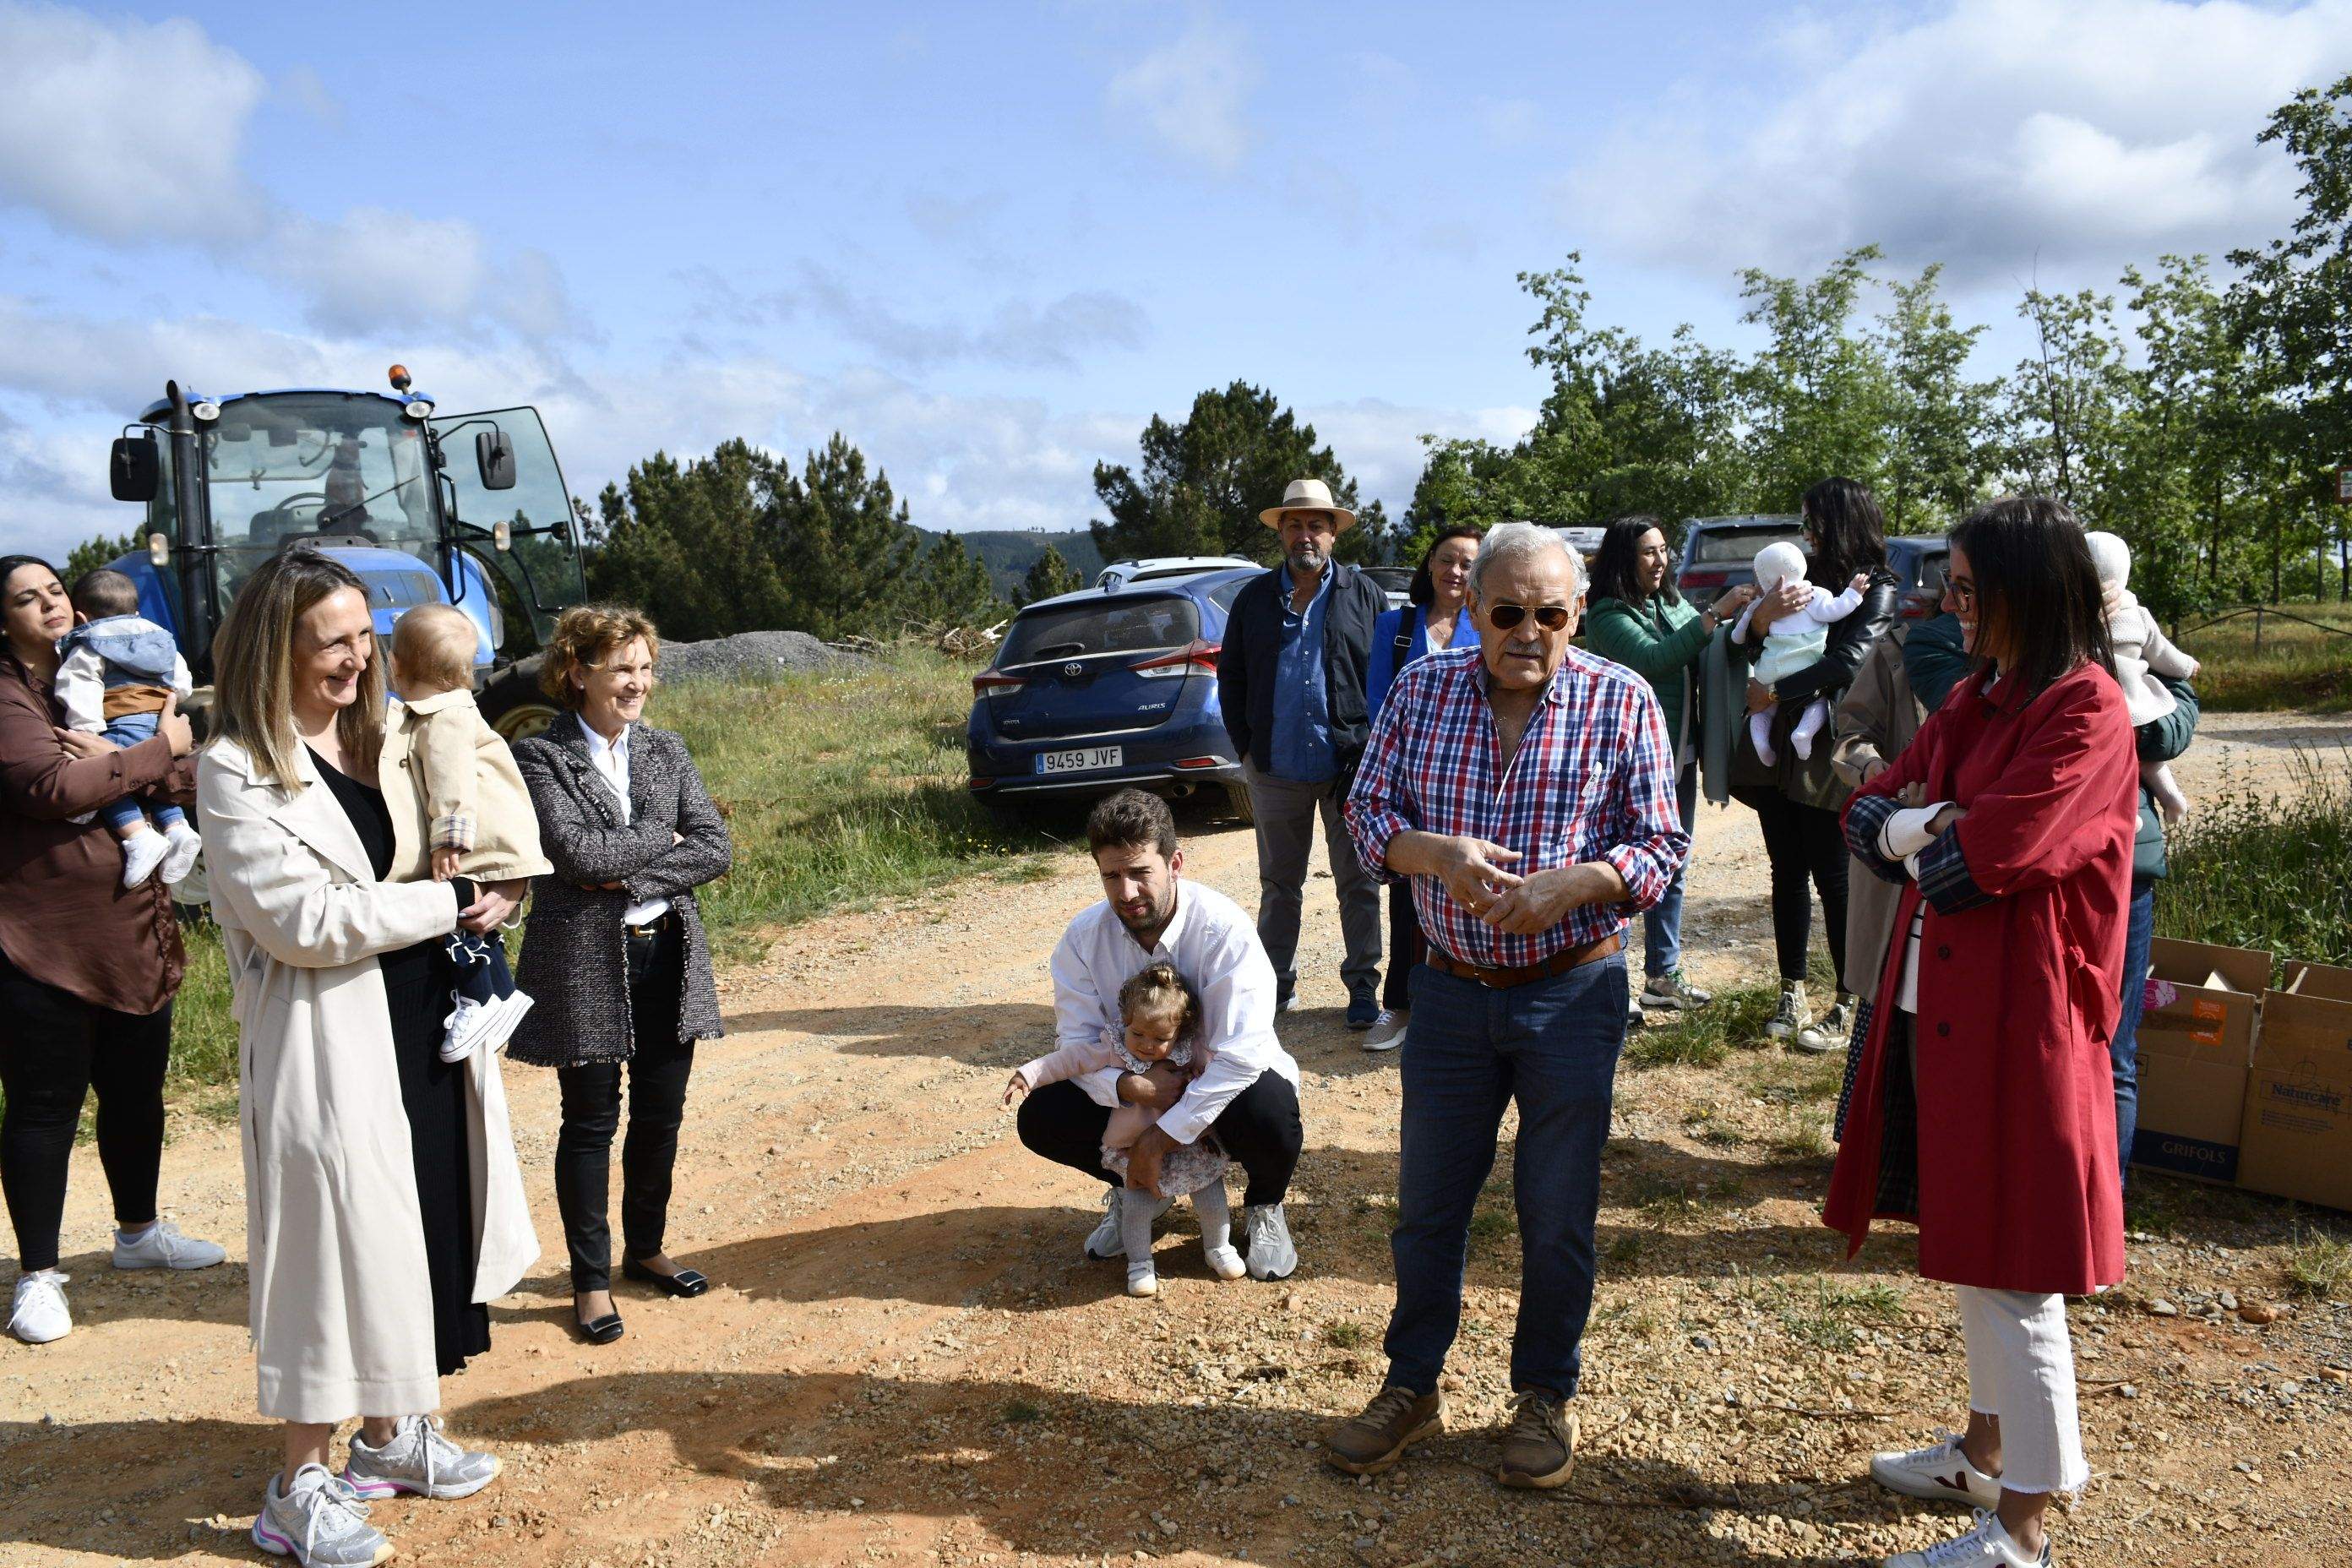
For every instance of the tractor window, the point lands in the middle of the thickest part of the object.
(291, 466)
(541, 569)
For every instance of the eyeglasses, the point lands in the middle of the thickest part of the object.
(1503, 617)
(1964, 594)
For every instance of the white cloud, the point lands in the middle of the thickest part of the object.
(1054, 335)
(1192, 96)
(124, 129)
(1379, 442)
(308, 90)
(1995, 136)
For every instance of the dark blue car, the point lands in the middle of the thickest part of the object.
(1097, 690)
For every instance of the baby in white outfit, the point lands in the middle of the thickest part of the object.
(1794, 642)
(2142, 653)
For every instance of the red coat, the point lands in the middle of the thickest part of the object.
(2021, 978)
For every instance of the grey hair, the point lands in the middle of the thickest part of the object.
(1515, 541)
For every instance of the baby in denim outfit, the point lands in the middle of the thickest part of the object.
(116, 671)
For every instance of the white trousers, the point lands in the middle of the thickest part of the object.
(2021, 1369)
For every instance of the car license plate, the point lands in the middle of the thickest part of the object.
(1091, 760)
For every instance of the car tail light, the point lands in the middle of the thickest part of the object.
(1194, 655)
(1703, 577)
(989, 683)
(976, 781)
(1201, 763)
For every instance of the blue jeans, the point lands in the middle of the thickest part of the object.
(2123, 1051)
(1662, 923)
(1551, 1046)
(120, 815)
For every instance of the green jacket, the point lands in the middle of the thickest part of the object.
(1659, 642)
(2160, 741)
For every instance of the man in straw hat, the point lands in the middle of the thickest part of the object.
(1291, 682)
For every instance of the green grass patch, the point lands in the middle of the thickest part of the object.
(1022, 1413)
(1669, 1197)
(1344, 1335)
(2296, 665)
(2319, 1265)
(2266, 870)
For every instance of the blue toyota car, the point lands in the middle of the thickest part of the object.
(1100, 690)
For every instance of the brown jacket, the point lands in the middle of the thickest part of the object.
(66, 919)
(1875, 722)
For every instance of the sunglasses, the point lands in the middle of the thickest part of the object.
(1503, 617)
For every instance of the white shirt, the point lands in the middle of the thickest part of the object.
(612, 761)
(1901, 838)
(1215, 948)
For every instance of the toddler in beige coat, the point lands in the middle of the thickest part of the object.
(460, 810)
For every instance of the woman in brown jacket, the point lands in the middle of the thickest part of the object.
(87, 967)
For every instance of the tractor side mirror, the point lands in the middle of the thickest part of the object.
(135, 468)
(494, 455)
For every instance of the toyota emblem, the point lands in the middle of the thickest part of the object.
(1073, 668)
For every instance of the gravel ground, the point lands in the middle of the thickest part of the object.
(753, 654)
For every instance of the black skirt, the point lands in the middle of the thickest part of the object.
(417, 993)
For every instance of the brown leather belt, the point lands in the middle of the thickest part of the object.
(1558, 963)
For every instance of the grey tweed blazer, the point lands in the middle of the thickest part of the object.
(574, 951)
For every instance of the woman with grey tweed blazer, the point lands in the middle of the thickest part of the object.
(613, 954)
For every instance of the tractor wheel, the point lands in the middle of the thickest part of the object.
(513, 703)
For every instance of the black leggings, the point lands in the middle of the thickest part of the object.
(1259, 1128)
(59, 1047)
(1801, 841)
(658, 1073)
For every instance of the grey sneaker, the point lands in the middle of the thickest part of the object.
(1271, 1254)
(320, 1524)
(163, 1247)
(1828, 1032)
(1792, 1016)
(1673, 993)
(418, 1459)
(1106, 1242)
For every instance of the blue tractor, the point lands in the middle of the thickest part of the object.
(382, 484)
(379, 482)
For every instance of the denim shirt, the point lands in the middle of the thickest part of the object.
(1301, 744)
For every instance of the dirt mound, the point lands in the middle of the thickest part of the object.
(754, 655)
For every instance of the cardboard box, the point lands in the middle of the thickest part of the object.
(2195, 1041)
(2296, 1138)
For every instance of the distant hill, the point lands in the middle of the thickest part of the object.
(1008, 553)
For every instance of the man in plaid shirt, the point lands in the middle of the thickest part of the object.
(1529, 791)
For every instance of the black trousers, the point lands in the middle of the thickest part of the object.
(54, 1049)
(1259, 1128)
(1802, 842)
(657, 1074)
(1407, 947)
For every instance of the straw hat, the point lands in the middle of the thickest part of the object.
(1309, 495)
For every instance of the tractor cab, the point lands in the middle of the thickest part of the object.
(469, 510)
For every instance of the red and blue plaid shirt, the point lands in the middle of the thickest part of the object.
(1593, 780)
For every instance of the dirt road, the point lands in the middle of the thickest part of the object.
(905, 1362)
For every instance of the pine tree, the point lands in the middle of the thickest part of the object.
(1049, 575)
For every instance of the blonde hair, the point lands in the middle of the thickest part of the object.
(435, 644)
(1157, 991)
(584, 635)
(252, 667)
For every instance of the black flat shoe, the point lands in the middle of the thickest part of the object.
(601, 1331)
(684, 1283)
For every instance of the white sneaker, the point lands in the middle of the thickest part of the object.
(1224, 1262)
(1791, 1014)
(320, 1523)
(419, 1459)
(180, 849)
(141, 853)
(1986, 1545)
(40, 1314)
(1272, 1255)
(468, 1023)
(1387, 1032)
(500, 1017)
(1939, 1472)
(163, 1247)
(1142, 1279)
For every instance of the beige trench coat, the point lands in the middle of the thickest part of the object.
(1874, 722)
(341, 1308)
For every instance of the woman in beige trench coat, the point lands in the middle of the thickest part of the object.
(342, 1270)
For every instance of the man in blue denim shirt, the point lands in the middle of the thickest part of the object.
(1290, 681)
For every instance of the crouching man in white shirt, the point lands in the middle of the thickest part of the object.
(1246, 1098)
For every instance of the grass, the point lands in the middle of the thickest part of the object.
(2319, 1265)
(2299, 666)
(1733, 1020)
(2266, 871)
(838, 790)
(1022, 1413)
(1343, 1335)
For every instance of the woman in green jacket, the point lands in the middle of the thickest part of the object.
(1639, 620)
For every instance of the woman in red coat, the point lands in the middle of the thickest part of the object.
(1984, 1103)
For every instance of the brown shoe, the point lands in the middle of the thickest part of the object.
(1539, 1444)
(1395, 1420)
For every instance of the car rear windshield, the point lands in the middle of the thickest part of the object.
(1740, 544)
(1129, 624)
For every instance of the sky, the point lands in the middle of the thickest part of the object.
(987, 242)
